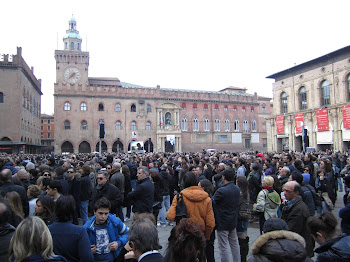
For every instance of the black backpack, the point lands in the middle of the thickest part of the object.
(181, 210)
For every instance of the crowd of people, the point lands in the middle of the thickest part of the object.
(75, 207)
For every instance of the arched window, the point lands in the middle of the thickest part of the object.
(243, 109)
(148, 125)
(236, 125)
(205, 107)
(118, 125)
(100, 107)
(302, 98)
(133, 125)
(66, 124)
(195, 124)
(72, 46)
(348, 88)
(194, 106)
(234, 108)
(254, 125)
(326, 93)
(117, 108)
(226, 108)
(245, 126)
(1, 97)
(78, 46)
(216, 107)
(227, 125)
(206, 124)
(217, 125)
(133, 108)
(66, 106)
(252, 109)
(183, 106)
(184, 124)
(284, 103)
(83, 106)
(83, 125)
(149, 109)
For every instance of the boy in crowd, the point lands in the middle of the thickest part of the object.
(107, 233)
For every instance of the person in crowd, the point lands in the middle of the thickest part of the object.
(32, 193)
(15, 204)
(296, 213)
(117, 178)
(127, 190)
(332, 247)
(23, 176)
(144, 241)
(284, 175)
(74, 187)
(226, 206)
(209, 249)
(166, 181)
(254, 182)
(8, 186)
(240, 165)
(85, 192)
(54, 189)
(6, 230)
(308, 165)
(158, 193)
(32, 241)
(143, 195)
(198, 204)
(107, 233)
(186, 243)
(243, 217)
(267, 202)
(44, 209)
(69, 240)
(105, 189)
(267, 247)
(58, 174)
(288, 161)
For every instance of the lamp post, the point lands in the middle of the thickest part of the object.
(101, 134)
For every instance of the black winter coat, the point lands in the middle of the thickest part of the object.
(85, 188)
(9, 187)
(109, 191)
(143, 196)
(279, 245)
(226, 205)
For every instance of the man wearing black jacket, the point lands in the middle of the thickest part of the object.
(107, 190)
(143, 195)
(85, 192)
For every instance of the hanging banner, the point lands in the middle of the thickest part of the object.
(280, 125)
(346, 116)
(322, 120)
(299, 122)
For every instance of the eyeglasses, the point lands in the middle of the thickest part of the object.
(70, 171)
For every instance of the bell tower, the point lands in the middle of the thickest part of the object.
(72, 64)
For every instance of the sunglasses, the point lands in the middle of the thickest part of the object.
(46, 174)
(70, 172)
(100, 178)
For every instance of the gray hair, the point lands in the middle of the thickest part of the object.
(286, 169)
(144, 235)
(145, 170)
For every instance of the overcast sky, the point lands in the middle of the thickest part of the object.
(198, 45)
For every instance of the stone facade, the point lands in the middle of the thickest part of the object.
(20, 103)
(322, 83)
(230, 119)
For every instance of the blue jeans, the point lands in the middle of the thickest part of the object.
(322, 209)
(84, 210)
(340, 184)
(164, 209)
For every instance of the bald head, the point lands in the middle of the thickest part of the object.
(291, 190)
(6, 175)
(22, 174)
(117, 166)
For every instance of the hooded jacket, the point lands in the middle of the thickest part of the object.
(279, 245)
(199, 208)
(268, 202)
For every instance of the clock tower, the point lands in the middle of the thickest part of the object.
(71, 63)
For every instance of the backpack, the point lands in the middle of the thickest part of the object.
(181, 210)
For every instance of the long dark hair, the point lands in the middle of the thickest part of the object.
(242, 183)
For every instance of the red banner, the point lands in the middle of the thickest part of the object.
(299, 122)
(322, 120)
(346, 116)
(280, 125)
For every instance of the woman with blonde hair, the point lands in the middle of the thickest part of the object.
(15, 204)
(267, 201)
(32, 241)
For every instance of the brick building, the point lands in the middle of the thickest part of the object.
(47, 133)
(312, 97)
(20, 103)
(163, 119)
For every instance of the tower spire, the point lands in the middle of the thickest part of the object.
(72, 40)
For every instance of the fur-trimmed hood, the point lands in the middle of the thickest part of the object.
(279, 245)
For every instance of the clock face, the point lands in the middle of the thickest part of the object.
(72, 75)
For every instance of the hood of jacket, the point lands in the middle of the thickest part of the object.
(274, 197)
(280, 245)
(195, 194)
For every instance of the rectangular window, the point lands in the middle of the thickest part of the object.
(222, 139)
(264, 142)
